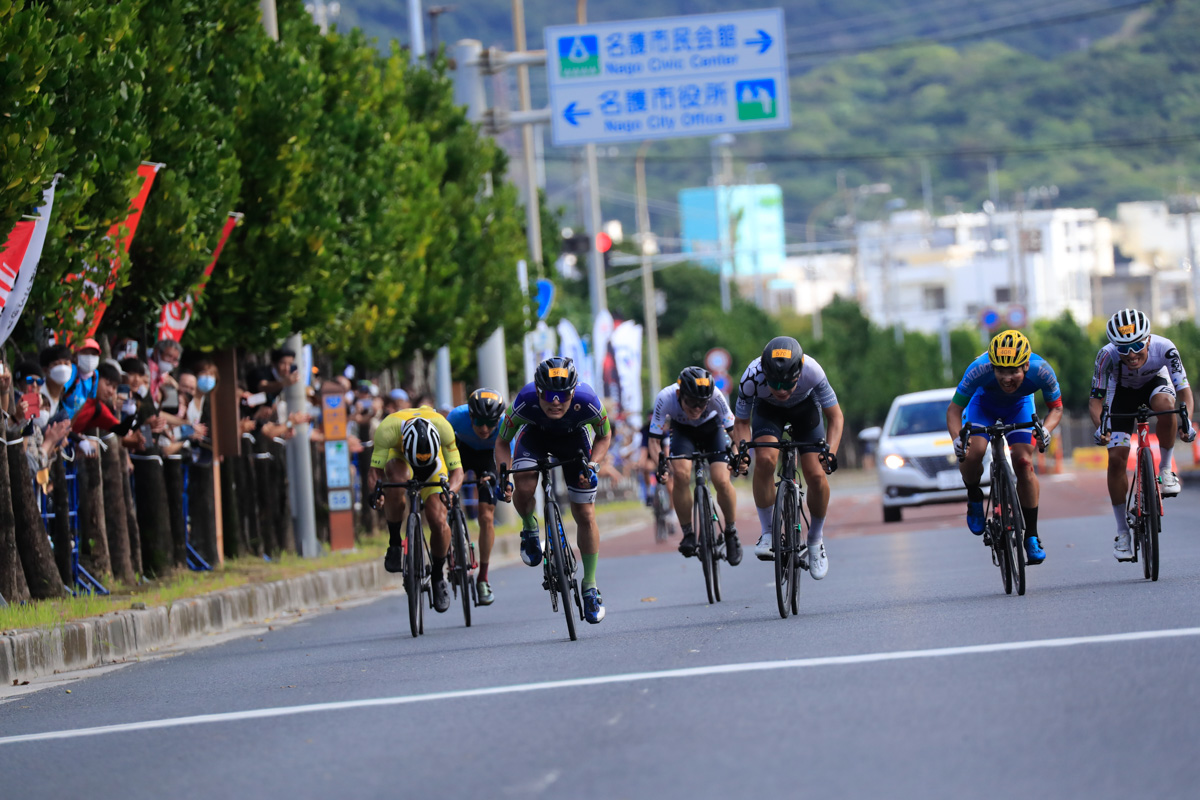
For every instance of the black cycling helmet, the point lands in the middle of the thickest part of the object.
(696, 383)
(556, 374)
(782, 359)
(485, 405)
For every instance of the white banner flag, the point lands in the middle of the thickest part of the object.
(571, 346)
(540, 344)
(627, 353)
(19, 261)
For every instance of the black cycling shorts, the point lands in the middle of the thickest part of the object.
(804, 419)
(481, 462)
(707, 438)
(1128, 401)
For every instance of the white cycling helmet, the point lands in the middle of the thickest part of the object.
(421, 444)
(1128, 326)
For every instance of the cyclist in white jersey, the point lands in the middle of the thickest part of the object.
(1137, 368)
(783, 387)
(699, 421)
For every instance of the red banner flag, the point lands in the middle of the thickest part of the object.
(19, 262)
(175, 315)
(95, 295)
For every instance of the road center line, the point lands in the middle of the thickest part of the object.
(630, 677)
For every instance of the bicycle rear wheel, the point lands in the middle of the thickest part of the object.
(781, 538)
(797, 570)
(462, 558)
(559, 577)
(714, 548)
(700, 529)
(1151, 515)
(414, 569)
(999, 530)
(661, 514)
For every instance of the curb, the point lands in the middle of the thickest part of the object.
(123, 635)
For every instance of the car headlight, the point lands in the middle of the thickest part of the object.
(894, 461)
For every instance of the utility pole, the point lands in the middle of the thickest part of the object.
(596, 285)
(416, 32)
(533, 212)
(722, 177)
(434, 13)
(649, 304)
(299, 452)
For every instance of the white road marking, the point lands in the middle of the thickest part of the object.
(629, 677)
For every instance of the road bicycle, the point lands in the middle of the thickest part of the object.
(706, 522)
(789, 539)
(660, 502)
(461, 561)
(558, 560)
(417, 570)
(1143, 507)
(1004, 530)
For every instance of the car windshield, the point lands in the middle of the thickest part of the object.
(915, 418)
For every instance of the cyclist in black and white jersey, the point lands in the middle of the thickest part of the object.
(699, 420)
(780, 388)
(1137, 368)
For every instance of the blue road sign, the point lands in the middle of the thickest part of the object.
(696, 75)
(545, 298)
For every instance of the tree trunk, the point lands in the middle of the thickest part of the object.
(264, 500)
(33, 545)
(231, 515)
(154, 517)
(12, 575)
(116, 520)
(131, 523)
(60, 526)
(248, 504)
(173, 481)
(284, 527)
(92, 528)
(203, 533)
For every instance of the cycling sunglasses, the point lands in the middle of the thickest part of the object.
(479, 422)
(1132, 347)
(557, 397)
(693, 402)
(781, 385)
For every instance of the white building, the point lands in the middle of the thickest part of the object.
(922, 273)
(1157, 277)
(803, 284)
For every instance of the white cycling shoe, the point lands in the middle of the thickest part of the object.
(818, 562)
(764, 550)
(1122, 549)
(1170, 483)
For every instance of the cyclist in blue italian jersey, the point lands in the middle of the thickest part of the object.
(476, 426)
(999, 385)
(559, 417)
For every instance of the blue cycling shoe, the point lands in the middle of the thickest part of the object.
(593, 605)
(1033, 551)
(531, 547)
(975, 517)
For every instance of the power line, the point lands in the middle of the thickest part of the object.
(947, 153)
(982, 33)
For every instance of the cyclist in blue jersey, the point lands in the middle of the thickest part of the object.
(557, 416)
(999, 385)
(476, 426)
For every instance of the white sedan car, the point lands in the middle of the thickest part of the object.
(915, 455)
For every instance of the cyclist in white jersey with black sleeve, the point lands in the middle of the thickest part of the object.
(699, 420)
(780, 388)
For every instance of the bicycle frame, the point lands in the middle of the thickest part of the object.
(709, 552)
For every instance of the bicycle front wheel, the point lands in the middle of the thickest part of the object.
(462, 558)
(704, 545)
(781, 538)
(661, 514)
(554, 531)
(1016, 539)
(414, 572)
(1151, 515)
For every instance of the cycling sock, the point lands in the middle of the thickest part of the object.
(483, 565)
(589, 570)
(1122, 522)
(815, 531)
(529, 521)
(1164, 457)
(686, 529)
(439, 567)
(975, 494)
(764, 519)
(395, 534)
(1030, 515)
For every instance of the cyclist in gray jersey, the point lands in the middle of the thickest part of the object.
(784, 388)
(699, 421)
(1137, 368)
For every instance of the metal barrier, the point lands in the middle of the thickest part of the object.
(80, 577)
(195, 561)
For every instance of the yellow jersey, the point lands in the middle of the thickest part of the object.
(387, 438)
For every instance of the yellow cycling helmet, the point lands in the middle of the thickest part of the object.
(1009, 349)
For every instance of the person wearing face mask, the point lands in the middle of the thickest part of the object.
(151, 422)
(42, 437)
(163, 360)
(83, 385)
(59, 373)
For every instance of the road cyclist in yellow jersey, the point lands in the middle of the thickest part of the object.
(417, 443)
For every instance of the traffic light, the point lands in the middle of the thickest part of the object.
(578, 244)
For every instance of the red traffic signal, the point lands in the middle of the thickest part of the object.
(603, 242)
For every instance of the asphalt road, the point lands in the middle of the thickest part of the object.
(908, 673)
